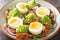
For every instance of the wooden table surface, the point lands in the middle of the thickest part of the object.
(54, 2)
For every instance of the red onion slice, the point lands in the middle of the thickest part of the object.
(10, 31)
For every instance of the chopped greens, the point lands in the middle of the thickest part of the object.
(22, 29)
(31, 4)
(29, 17)
(38, 36)
(46, 19)
(14, 13)
(35, 38)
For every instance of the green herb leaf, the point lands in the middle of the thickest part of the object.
(14, 13)
(22, 29)
(31, 4)
(46, 19)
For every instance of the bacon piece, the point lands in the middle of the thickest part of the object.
(23, 36)
(31, 35)
(6, 13)
(5, 26)
(47, 26)
(45, 31)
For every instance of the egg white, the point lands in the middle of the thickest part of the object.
(15, 24)
(37, 30)
(20, 9)
(41, 8)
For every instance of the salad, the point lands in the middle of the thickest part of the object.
(29, 20)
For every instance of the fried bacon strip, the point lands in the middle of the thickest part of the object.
(6, 13)
(47, 28)
(23, 36)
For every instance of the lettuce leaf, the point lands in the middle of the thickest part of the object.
(46, 19)
(22, 29)
(31, 4)
(13, 13)
(29, 17)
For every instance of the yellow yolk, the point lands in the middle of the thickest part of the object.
(34, 25)
(23, 6)
(13, 21)
(42, 12)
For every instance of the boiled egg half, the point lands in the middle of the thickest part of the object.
(22, 7)
(42, 11)
(15, 22)
(35, 28)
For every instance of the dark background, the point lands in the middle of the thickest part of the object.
(56, 37)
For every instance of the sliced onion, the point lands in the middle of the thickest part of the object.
(10, 31)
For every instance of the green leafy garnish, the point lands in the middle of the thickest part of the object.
(35, 38)
(46, 19)
(22, 29)
(38, 36)
(31, 4)
(29, 17)
(14, 13)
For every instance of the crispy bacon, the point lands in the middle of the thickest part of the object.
(5, 26)
(47, 26)
(23, 36)
(31, 35)
(45, 31)
(6, 13)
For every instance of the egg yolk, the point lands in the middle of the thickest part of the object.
(42, 11)
(23, 6)
(34, 25)
(13, 21)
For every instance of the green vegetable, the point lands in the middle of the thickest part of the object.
(38, 36)
(46, 19)
(31, 4)
(13, 13)
(29, 17)
(35, 38)
(22, 29)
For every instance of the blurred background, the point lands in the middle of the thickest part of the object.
(56, 3)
